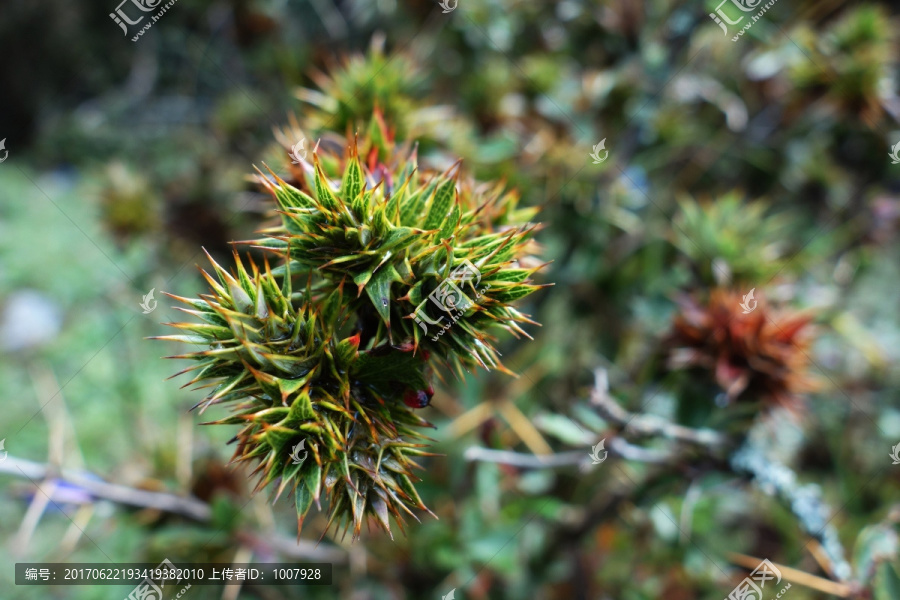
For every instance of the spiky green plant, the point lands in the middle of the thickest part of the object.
(390, 84)
(730, 238)
(400, 235)
(349, 92)
(851, 61)
(387, 271)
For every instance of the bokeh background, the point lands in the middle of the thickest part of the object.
(757, 164)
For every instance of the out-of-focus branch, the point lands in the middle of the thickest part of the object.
(647, 425)
(796, 576)
(265, 545)
(616, 447)
(36, 509)
(773, 477)
(181, 505)
(525, 461)
(805, 501)
(643, 425)
(623, 449)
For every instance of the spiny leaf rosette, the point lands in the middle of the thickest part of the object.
(435, 260)
(386, 271)
(761, 355)
(360, 84)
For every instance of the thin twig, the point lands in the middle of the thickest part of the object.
(44, 383)
(795, 576)
(33, 515)
(244, 555)
(620, 447)
(526, 461)
(469, 420)
(523, 428)
(75, 531)
(647, 425)
(617, 447)
(267, 543)
(186, 506)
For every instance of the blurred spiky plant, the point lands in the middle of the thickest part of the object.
(351, 91)
(756, 356)
(730, 240)
(386, 271)
(852, 61)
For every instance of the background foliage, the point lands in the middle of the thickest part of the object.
(761, 163)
